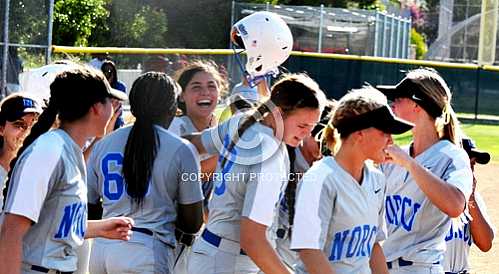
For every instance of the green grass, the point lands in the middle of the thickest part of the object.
(486, 138)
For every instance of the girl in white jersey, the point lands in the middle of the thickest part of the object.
(18, 113)
(202, 85)
(251, 176)
(46, 206)
(429, 182)
(478, 230)
(339, 219)
(300, 160)
(143, 172)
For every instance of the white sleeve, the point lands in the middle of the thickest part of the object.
(31, 178)
(175, 126)
(313, 209)
(262, 191)
(459, 173)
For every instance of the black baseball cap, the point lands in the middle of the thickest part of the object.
(407, 88)
(482, 157)
(381, 118)
(15, 107)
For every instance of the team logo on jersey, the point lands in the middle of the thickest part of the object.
(359, 244)
(73, 220)
(401, 211)
(457, 233)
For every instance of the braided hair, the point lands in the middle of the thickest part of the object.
(153, 100)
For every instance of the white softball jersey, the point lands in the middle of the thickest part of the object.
(416, 227)
(336, 214)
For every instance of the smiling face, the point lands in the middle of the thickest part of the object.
(201, 95)
(15, 132)
(298, 124)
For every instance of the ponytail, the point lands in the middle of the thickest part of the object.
(448, 126)
(290, 192)
(153, 100)
(140, 152)
(256, 116)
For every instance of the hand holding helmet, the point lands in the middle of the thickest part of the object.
(267, 41)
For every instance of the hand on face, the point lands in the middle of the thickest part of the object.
(394, 154)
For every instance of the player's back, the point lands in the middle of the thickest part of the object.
(176, 161)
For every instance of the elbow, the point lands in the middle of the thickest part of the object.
(453, 213)
(485, 244)
(455, 207)
(484, 247)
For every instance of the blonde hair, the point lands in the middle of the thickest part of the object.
(354, 103)
(435, 88)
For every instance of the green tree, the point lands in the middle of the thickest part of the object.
(133, 24)
(75, 20)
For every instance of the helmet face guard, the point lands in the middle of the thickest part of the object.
(267, 42)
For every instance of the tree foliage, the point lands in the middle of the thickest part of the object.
(74, 20)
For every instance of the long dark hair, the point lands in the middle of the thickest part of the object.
(185, 75)
(153, 100)
(114, 73)
(70, 100)
(291, 92)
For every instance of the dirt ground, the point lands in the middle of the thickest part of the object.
(488, 186)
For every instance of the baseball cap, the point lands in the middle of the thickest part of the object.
(482, 157)
(381, 118)
(407, 88)
(15, 107)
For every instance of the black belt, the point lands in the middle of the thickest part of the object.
(281, 233)
(46, 270)
(402, 262)
(460, 272)
(184, 238)
(142, 230)
(215, 240)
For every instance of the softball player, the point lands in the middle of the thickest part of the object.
(429, 182)
(339, 211)
(18, 113)
(250, 178)
(478, 230)
(127, 171)
(202, 86)
(46, 206)
(300, 158)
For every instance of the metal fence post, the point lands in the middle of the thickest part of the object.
(392, 34)
(321, 22)
(267, 6)
(48, 52)
(5, 52)
(376, 34)
(399, 38)
(383, 41)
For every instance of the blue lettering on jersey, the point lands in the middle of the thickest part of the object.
(73, 219)
(458, 234)
(359, 244)
(401, 211)
(220, 188)
(112, 178)
(114, 183)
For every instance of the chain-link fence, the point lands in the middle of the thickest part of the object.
(335, 30)
(25, 38)
(458, 33)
